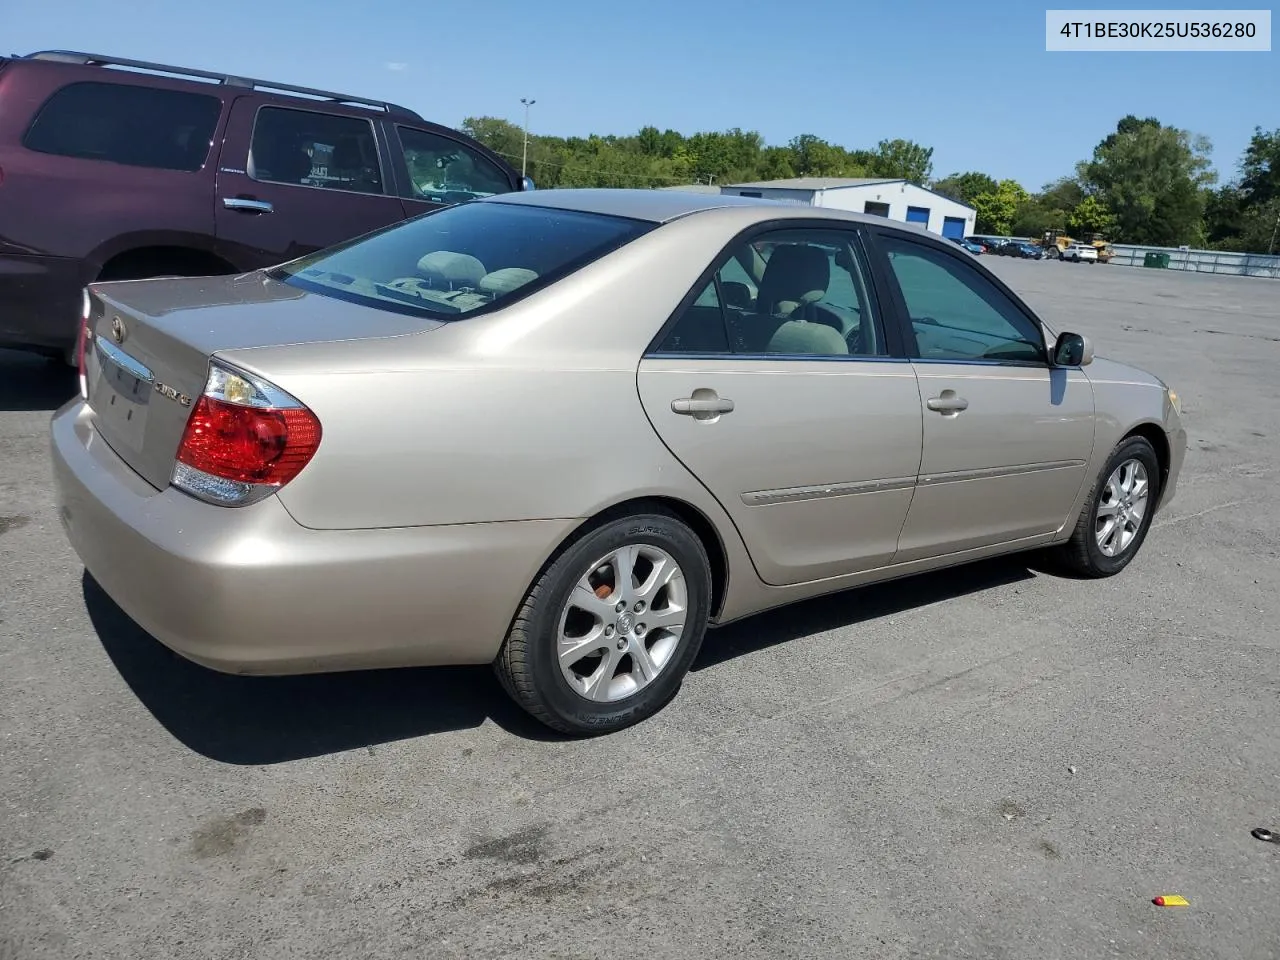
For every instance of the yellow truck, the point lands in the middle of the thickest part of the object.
(1055, 241)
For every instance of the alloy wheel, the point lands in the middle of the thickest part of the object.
(1122, 506)
(622, 623)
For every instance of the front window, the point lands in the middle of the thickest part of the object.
(956, 313)
(444, 171)
(461, 259)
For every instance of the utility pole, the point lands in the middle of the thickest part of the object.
(1274, 230)
(524, 154)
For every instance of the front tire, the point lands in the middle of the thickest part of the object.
(609, 629)
(1116, 517)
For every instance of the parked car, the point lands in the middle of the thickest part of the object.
(1081, 253)
(975, 248)
(109, 171)
(1027, 251)
(565, 431)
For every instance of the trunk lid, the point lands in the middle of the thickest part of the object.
(148, 359)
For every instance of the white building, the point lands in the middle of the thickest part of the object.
(895, 199)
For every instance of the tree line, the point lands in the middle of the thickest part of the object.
(1144, 183)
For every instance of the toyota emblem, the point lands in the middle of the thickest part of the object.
(117, 330)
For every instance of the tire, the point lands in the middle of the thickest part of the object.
(1084, 554)
(607, 691)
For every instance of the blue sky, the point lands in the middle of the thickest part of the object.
(971, 79)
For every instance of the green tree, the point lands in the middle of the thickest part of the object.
(964, 187)
(1090, 216)
(996, 209)
(1151, 177)
(498, 135)
(775, 164)
(811, 156)
(902, 158)
(1260, 167)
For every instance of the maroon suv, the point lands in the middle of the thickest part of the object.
(110, 170)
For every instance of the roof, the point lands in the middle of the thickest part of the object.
(818, 183)
(694, 188)
(656, 206)
(663, 206)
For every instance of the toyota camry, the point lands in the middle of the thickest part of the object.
(564, 432)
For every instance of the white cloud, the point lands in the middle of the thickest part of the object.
(396, 67)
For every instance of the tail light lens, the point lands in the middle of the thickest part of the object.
(245, 439)
(82, 342)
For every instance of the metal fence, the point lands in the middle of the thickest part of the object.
(1202, 261)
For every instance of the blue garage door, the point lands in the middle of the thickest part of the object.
(953, 228)
(918, 215)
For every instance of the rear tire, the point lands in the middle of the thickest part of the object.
(592, 650)
(1115, 519)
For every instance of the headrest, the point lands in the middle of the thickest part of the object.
(506, 280)
(450, 270)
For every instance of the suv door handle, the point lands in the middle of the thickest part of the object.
(702, 407)
(948, 404)
(244, 203)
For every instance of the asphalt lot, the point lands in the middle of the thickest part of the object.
(988, 763)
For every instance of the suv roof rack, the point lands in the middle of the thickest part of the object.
(97, 60)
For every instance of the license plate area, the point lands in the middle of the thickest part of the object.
(122, 395)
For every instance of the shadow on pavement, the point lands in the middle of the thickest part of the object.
(857, 606)
(30, 382)
(264, 720)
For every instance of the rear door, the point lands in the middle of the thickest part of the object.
(436, 169)
(775, 384)
(292, 180)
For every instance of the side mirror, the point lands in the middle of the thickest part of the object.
(1072, 350)
(526, 183)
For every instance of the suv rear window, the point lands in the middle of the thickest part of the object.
(462, 259)
(133, 125)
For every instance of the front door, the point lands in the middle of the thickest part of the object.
(292, 181)
(776, 388)
(1006, 437)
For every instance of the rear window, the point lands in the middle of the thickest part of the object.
(136, 126)
(463, 259)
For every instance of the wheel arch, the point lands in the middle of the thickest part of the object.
(687, 513)
(140, 262)
(1154, 434)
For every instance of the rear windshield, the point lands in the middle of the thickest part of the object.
(463, 259)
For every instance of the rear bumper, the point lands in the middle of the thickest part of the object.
(39, 302)
(248, 590)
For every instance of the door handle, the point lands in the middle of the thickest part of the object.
(703, 405)
(948, 404)
(244, 203)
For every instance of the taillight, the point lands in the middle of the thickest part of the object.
(246, 438)
(82, 342)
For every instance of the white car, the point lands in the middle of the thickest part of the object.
(1081, 251)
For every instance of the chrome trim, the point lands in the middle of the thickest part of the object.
(244, 203)
(987, 473)
(111, 352)
(761, 498)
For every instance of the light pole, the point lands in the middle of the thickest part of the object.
(524, 153)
